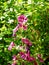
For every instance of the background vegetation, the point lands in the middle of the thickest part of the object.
(37, 12)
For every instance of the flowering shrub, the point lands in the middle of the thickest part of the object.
(24, 32)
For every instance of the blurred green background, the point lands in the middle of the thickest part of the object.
(37, 12)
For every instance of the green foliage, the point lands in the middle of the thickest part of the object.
(37, 12)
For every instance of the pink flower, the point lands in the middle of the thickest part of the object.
(31, 59)
(27, 41)
(25, 27)
(22, 19)
(14, 57)
(23, 55)
(11, 45)
(15, 30)
(20, 25)
(39, 57)
(26, 56)
(14, 34)
(41, 60)
(13, 63)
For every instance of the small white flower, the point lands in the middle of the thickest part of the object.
(11, 21)
(29, 2)
(17, 47)
(5, 14)
(8, 1)
(2, 17)
(11, 9)
(0, 38)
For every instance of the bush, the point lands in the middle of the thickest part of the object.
(36, 30)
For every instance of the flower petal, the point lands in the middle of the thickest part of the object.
(25, 27)
(22, 19)
(27, 41)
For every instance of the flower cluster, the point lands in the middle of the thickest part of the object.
(22, 19)
(21, 24)
(27, 41)
(24, 55)
(14, 60)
